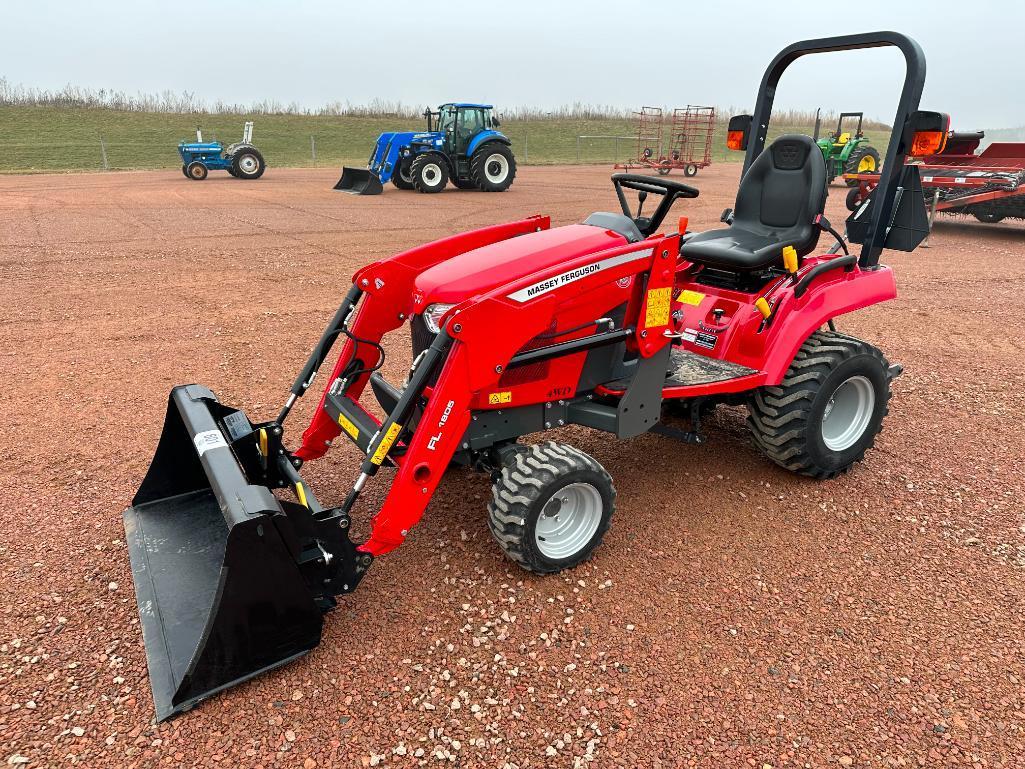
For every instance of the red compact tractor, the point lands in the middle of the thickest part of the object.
(519, 329)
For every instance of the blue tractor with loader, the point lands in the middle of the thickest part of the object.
(241, 159)
(460, 145)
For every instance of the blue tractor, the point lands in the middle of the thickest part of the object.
(460, 144)
(241, 159)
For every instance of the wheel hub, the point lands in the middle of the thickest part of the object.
(568, 521)
(847, 413)
(248, 164)
(496, 168)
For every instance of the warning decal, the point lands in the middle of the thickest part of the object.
(346, 424)
(657, 310)
(690, 297)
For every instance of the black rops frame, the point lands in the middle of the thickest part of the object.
(893, 165)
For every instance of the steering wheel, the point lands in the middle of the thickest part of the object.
(668, 189)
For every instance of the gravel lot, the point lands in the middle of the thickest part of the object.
(735, 616)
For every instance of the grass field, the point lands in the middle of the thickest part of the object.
(52, 139)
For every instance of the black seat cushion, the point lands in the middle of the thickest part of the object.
(779, 197)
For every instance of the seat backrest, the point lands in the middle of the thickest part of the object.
(783, 191)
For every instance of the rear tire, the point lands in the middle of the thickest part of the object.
(248, 163)
(429, 173)
(827, 411)
(493, 167)
(551, 507)
(196, 171)
(864, 160)
(988, 218)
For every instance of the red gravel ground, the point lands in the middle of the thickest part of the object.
(735, 616)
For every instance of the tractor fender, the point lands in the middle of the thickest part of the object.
(484, 137)
(834, 294)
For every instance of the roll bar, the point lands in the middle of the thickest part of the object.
(893, 164)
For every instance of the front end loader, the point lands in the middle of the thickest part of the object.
(518, 329)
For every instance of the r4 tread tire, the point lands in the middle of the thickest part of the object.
(786, 420)
(528, 479)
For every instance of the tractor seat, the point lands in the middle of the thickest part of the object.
(779, 198)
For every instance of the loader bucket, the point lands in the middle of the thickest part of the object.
(359, 181)
(220, 592)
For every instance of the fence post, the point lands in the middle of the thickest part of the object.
(526, 151)
(103, 153)
(313, 149)
(578, 149)
(616, 151)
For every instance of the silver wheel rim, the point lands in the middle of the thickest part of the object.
(568, 521)
(496, 168)
(431, 174)
(848, 413)
(248, 164)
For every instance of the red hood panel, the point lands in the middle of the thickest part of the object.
(484, 268)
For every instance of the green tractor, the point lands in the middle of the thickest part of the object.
(846, 152)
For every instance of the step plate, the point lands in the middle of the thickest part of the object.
(687, 369)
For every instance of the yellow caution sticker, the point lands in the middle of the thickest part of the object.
(301, 493)
(386, 443)
(346, 424)
(263, 441)
(657, 310)
(690, 297)
(496, 399)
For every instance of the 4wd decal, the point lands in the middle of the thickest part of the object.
(556, 281)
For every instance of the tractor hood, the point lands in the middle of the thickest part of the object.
(485, 268)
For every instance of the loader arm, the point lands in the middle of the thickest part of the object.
(386, 288)
(473, 358)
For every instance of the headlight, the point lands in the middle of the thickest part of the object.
(432, 316)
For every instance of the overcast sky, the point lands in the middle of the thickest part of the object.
(537, 53)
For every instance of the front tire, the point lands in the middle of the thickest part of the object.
(429, 173)
(551, 506)
(690, 170)
(828, 409)
(196, 171)
(248, 163)
(402, 176)
(185, 171)
(493, 167)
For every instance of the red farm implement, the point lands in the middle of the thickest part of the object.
(650, 124)
(614, 323)
(689, 146)
(690, 140)
(959, 180)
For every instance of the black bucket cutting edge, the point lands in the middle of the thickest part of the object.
(217, 563)
(359, 181)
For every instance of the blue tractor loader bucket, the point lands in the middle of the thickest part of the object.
(359, 181)
(230, 580)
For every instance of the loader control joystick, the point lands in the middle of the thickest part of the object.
(668, 189)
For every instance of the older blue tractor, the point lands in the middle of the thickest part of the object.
(241, 159)
(460, 144)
